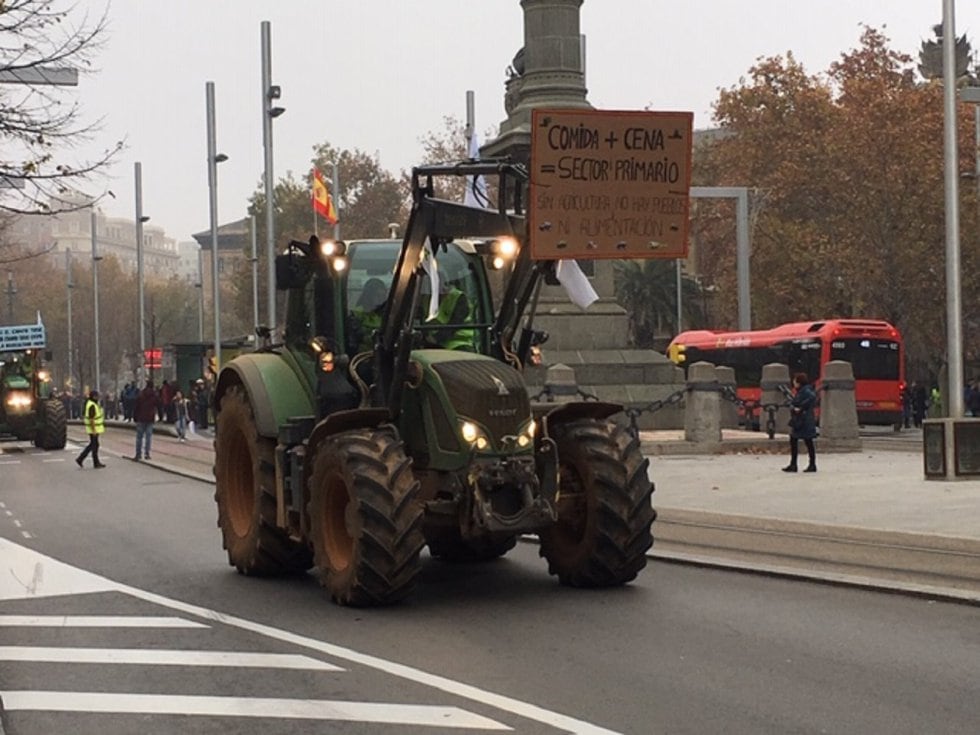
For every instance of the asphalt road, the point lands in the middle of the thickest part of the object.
(482, 648)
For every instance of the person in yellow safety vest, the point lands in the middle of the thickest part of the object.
(454, 308)
(94, 420)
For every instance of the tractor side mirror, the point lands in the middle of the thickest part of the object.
(292, 271)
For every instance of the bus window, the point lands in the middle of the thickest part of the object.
(802, 357)
(871, 359)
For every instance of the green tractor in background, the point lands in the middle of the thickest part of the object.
(27, 409)
(395, 415)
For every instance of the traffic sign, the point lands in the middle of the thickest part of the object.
(609, 184)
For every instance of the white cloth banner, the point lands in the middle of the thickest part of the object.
(476, 186)
(431, 267)
(576, 283)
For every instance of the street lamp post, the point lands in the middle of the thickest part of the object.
(11, 292)
(95, 300)
(255, 278)
(70, 286)
(270, 93)
(214, 158)
(140, 219)
(954, 327)
(200, 295)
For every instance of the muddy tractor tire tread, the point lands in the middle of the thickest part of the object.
(365, 518)
(53, 432)
(604, 510)
(245, 482)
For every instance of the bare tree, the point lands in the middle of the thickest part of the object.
(41, 125)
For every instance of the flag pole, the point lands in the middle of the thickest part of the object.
(312, 189)
(470, 118)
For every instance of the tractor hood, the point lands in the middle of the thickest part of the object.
(478, 388)
(16, 382)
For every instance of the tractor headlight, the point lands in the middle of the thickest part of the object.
(469, 431)
(526, 437)
(43, 375)
(19, 400)
(473, 435)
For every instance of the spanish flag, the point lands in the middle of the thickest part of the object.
(322, 201)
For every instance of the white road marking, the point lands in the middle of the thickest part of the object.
(3, 505)
(8, 512)
(52, 577)
(10, 461)
(25, 534)
(96, 621)
(17, 523)
(160, 657)
(59, 459)
(301, 709)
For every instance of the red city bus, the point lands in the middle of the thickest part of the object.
(874, 349)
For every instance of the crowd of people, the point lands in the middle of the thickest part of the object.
(920, 402)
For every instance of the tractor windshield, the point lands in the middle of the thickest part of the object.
(449, 316)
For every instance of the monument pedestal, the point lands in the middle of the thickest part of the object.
(951, 449)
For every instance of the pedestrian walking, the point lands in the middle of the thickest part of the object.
(920, 403)
(180, 415)
(94, 426)
(145, 413)
(802, 422)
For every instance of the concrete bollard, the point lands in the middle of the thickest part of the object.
(838, 410)
(774, 375)
(729, 411)
(560, 385)
(702, 409)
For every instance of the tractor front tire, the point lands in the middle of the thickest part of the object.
(604, 506)
(245, 491)
(53, 431)
(365, 518)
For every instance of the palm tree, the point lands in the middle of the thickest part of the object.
(647, 289)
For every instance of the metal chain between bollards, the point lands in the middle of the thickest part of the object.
(729, 394)
(548, 395)
(633, 413)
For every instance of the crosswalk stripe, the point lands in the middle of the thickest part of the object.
(96, 621)
(160, 657)
(33, 575)
(304, 709)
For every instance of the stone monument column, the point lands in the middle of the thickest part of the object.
(547, 72)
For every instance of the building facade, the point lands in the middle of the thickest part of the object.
(114, 236)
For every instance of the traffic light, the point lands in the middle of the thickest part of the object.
(676, 353)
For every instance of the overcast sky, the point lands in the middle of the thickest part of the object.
(377, 75)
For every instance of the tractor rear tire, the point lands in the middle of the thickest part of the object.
(53, 430)
(245, 491)
(448, 545)
(365, 518)
(604, 506)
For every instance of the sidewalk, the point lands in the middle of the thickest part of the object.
(866, 518)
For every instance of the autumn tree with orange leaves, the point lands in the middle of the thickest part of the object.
(845, 171)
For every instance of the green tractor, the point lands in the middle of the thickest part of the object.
(394, 415)
(27, 409)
